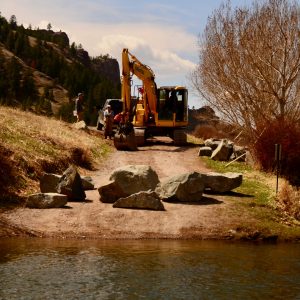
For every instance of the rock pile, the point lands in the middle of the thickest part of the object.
(138, 186)
(57, 190)
(222, 150)
(132, 186)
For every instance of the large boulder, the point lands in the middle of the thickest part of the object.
(135, 178)
(212, 143)
(128, 180)
(186, 187)
(221, 183)
(142, 200)
(49, 182)
(46, 200)
(70, 184)
(111, 192)
(223, 151)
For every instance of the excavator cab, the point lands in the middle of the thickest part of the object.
(172, 106)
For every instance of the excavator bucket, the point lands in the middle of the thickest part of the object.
(124, 141)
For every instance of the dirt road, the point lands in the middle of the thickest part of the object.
(215, 217)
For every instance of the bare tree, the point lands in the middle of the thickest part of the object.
(250, 62)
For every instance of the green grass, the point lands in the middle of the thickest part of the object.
(254, 182)
(261, 203)
(221, 166)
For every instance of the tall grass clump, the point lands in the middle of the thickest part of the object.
(288, 200)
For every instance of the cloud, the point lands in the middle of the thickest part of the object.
(168, 50)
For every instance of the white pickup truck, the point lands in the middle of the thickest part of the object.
(116, 106)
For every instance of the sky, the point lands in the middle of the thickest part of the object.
(162, 34)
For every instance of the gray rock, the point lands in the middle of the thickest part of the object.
(46, 200)
(142, 200)
(212, 143)
(221, 183)
(70, 184)
(238, 151)
(135, 178)
(111, 192)
(186, 187)
(205, 151)
(87, 183)
(223, 151)
(49, 182)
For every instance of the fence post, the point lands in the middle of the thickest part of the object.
(277, 160)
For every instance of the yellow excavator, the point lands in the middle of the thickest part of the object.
(153, 112)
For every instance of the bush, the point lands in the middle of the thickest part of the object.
(288, 135)
(218, 131)
(288, 200)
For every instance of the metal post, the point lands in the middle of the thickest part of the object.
(277, 160)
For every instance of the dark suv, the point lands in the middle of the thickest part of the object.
(116, 106)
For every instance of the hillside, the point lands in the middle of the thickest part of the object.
(31, 145)
(40, 71)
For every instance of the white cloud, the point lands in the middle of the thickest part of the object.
(167, 50)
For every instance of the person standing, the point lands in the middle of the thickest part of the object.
(79, 107)
(108, 122)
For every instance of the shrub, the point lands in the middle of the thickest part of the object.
(205, 132)
(219, 130)
(288, 200)
(288, 135)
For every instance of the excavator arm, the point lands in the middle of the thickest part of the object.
(132, 66)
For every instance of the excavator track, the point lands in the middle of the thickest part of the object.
(179, 137)
(139, 137)
(124, 141)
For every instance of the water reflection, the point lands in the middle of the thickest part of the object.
(51, 269)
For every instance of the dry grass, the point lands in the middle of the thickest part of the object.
(31, 145)
(288, 200)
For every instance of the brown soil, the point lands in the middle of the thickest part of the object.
(214, 217)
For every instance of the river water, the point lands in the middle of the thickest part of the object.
(160, 269)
